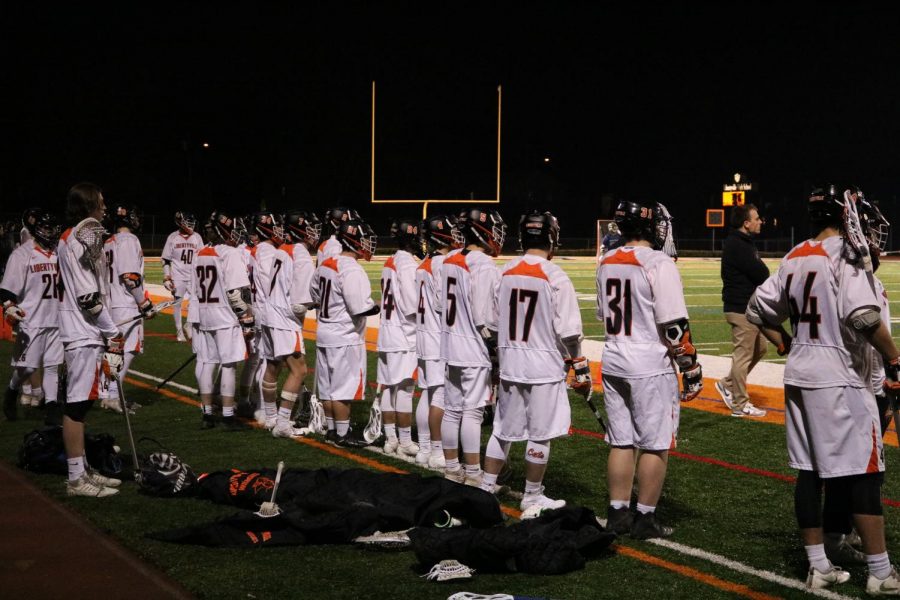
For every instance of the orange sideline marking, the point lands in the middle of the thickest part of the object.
(691, 573)
(685, 571)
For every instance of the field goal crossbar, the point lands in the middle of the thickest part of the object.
(426, 202)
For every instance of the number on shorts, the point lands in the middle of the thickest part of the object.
(619, 306)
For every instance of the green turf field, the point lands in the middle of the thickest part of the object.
(726, 495)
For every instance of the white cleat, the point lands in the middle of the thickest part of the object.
(410, 449)
(458, 475)
(423, 457)
(437, 461)
(103, 480)
(533, 505)
(889, 586)
(817, 580)
(391, 446)
(284, 429)
(85, 486)
(180, 337)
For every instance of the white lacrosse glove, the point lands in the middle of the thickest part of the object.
(13, 313)
(169, 284)
(582, 370)
(114, 356)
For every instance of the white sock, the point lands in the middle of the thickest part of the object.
(207, 409)
(228, 411)
(76, 468)
(271, 409)
(487, 481)
(342, 427)
(817, 559)
(879, 565)
(405, 435)
(532, 487)
(329, 423)
(644, 509)
(452, 464)
(437, 447)
(285, 413)
(390, 431)
(473, 470)
(619, 503)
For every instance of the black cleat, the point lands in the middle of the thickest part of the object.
(233, 424)
(209, 421)
(244, 410)
(619, 520)
(646, 526)
(349, 440)
(9, 404)
(331, 436)
(52, 414)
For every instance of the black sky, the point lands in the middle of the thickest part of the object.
(648, 102)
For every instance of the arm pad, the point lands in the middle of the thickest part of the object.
(239, 299)
(7, 296)
(678, 336)
(865, 318)
(372, 311)
(91, 304)
(572, 345)
(134, 283)
(299, 310)
(753, 313)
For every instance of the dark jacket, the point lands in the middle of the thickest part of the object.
(742, 271)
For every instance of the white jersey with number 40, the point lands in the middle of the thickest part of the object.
(638, 290)
(180, 250)
(818, 290)
(537, 308)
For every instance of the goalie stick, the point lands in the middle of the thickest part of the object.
(172, 375)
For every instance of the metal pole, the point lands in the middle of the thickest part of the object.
(713, 239)
(792, 236)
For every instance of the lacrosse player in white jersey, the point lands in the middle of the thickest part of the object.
(397, 361)
(342, 292)
(125, 262)
(177, 256)
(439, 235)
(90, 337)
(250, 390)
(281, 338)
(539, 339)
(469, 280)
(330, 246)
(826, 289)
(302, 231)
(31, 295)
(221, 289)
(641, 300)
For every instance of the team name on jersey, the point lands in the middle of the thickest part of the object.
(42, 267)
(185, 245)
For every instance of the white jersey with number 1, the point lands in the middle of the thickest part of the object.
(537, 308)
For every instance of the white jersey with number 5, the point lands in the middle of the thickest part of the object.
(818, 290)
(180, 250)
(342, 290)
(537, 308)
(216, 270)
(469, 281)
(397, 330)
(638, 290)
(31, 275)
(428, 318)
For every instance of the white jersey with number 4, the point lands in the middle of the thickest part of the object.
(818, 290)
(31, 275)
(638, 290)
(342, 290)
(180, 250)
(469, 283)
(428, 317)
(217, 269)
(397, 330)
(537, 308)
(123, 255)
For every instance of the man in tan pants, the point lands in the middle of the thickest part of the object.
(742, 271)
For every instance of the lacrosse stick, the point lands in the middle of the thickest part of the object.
(373, 428)
(270, 508)
(857, 238)
(447, 570)
(595, 410)
(317, 422)
(134, 456)
(157, 308)
(176, 371)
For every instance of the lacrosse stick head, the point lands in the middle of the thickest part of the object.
(385, 540)
(90, 234)
(317, 422)
(447, 570)
(268, 510)
(854, 234)
(373, 428)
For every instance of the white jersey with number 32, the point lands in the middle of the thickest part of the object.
(216, 270)
(537, 308)
(638, 290)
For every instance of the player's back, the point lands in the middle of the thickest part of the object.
(397, 329)
(638, 289)
(428, 319)
(327, 249)
(537, 307)
(32, 275)
(303, 271)
(821, 290)
(76, 280)
(123, 255)
(273, 275)
(342, 290)
(216, 269)
(469, 282)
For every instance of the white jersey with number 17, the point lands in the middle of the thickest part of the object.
(537, 308)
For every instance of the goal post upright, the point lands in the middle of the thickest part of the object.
(426, 202)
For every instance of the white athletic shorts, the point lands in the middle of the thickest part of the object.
(132, 332)
(642, 412)
(466, 387)
(83, 373)
(36, 348)
(532, 411)
(341, 372)
(833, 431)
(181, 289)
(394, 367)
(279, 343)
(431, 373)
(198, 344)
(224, 346)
